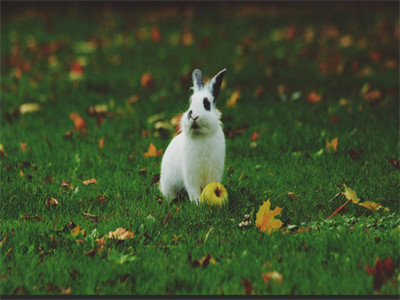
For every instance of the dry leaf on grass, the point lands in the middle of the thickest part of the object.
(90, 181)
(121, 234)
(273, 275)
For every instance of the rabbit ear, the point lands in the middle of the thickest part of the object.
(214, 84)
(197, 79)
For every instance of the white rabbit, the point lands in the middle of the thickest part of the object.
(196, 156)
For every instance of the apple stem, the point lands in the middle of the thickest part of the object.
(339, 209)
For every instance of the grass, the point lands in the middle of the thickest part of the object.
(38, 257)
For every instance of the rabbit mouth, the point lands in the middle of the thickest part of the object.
(195, 126)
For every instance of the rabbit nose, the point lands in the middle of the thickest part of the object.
(194, 120)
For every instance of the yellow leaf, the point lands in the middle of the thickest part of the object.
(265, 218)
(233, 99)
(28, 108)
(121, 234)
(332, 144)
(152, 151)
(373, 206)
(77, 229)
(350, 194)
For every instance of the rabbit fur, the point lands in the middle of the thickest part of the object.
(195, 157)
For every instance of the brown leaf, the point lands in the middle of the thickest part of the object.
(68, 134)
(155, 34)
(65, 184)
(79, 123)
(334, 119)
(90, 181)
(101, 143)
(48, 179)
(248, 290)
(382, 272)
(121, 234)
(133, 99)
(155, 178)
(372, 95)
(292, 195)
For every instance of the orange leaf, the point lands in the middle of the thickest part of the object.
(255, 136)
(79, 123)
(90, 181)
(265, 218)
(22, 146)
(147, 80)
(332, 144)
(153, 152)
(101, 143)
(314, 98)
(121, 234)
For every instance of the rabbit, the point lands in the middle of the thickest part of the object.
(195, 157)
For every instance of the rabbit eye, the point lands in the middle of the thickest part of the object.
(206, 103)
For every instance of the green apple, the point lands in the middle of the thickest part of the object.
(214, 194)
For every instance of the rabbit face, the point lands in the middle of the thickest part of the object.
(202, 118)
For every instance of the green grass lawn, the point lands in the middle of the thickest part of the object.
(276, 57)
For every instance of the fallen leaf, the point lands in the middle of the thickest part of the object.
(273, 275)
(51, 202)
(101, 143)
(382, 272)
(90, 181)
(79, 123)
(292, 195)
(248, 290)
(155, 35)
(76, 71)
(66, 291)
(22, 146)
(65, 184)
(203, 262)
(334, 119)
(255, 136)
(373, 206)
(395, 163)
(77, 230)
(153, 152)
(332, 144)
(90, 216)
(372, 95)
(187, 38)
(147, 80)
(313, 97)
(133, 99)
(121, 234)
(265, 218)
(28, 108)
(233, 99)
(350, 194)
(2, 153)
